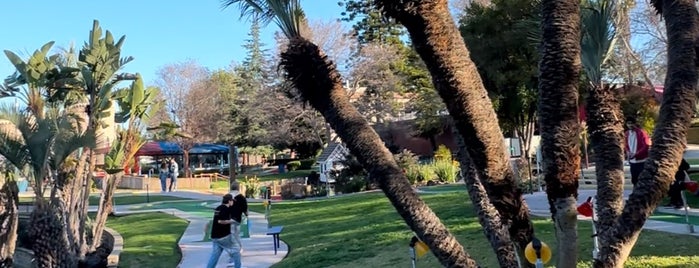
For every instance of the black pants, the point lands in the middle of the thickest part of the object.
(675, 193)
(636, 169)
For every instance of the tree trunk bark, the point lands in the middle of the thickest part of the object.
(493, 227)
(108, 188)
(606, 130)
(185, 165)
(319, 82)
(8, 222)
(558, 119)
(440, 45)
(669, 138)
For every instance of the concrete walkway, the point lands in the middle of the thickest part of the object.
(258, 250)
(538, 205)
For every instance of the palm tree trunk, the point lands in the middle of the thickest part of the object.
(319, 82)
(440, 45)
(8, 222)
(493, 227)
(104, 209)
(558, 119)
(607, 138)
(669, 138)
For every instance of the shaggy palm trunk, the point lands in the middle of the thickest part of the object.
(558, 120)
(8, 222)
(47, 233)
(607, 139)
(669, 138)
(319, 82)
(493, 227)
(440, 45)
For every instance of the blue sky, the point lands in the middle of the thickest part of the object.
(157, 32)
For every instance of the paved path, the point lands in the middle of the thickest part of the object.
(538, 205)
(258, 249)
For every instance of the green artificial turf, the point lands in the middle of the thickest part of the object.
(150, 239)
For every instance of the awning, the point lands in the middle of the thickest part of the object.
(155, 148)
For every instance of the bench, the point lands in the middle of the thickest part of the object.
(274, 231)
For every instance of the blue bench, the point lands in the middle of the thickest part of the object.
(274, 231)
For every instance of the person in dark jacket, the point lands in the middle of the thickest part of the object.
(677, 186)
(240, 207)
(221, 235)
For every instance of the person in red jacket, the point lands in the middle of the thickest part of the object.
(636, 147)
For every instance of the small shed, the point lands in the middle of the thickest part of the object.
(330, 159)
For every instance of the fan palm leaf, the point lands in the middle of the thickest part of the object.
(286, 14)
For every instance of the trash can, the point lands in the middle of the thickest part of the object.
(281, 168)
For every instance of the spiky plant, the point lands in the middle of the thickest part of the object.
(319, 83)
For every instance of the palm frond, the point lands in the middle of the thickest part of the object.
(286, 14)
(598, 37)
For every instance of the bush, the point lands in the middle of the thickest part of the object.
(442, 153)
(413, 174)
(307, 163)
(406, 159)
(426, 173)
(252, 186)
(445, 170)
(293, 165)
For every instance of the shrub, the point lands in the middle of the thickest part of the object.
(252, 186)
(446, 171)
(293, 165)
(426, 173)
(307, 163)
(413, 174)
(442, 153)
(406, 159)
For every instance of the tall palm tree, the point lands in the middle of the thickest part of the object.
(440, 45)
(669, 137)
(605, 115)
(319, 83)
(559, 74)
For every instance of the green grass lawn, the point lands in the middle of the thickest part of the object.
(150, 239)
(365, 231)
(444, 188)
(120, 200)
(222, 185)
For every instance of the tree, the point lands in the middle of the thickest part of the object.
(136, 104)
(438, 42)
(9, 198)
(319, 83)
(495, 32)
(182, 85)
(558, 119)
(682, 24)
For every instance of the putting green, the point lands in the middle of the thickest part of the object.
(667, 217)
(202, 209)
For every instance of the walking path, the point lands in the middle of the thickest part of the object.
(258, 249)
(538, 205)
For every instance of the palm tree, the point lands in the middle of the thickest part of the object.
(559, 73)
(319, 83)
(44, 143)
(8, 215)
(440, 45)
(669, 137)
(605, 115)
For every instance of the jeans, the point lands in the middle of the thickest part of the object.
(235, 232)
(231, 247)
(163, 184)
(173, 182)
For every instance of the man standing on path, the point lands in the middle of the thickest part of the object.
(221, 237)
(240, 207)
(636, 147)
